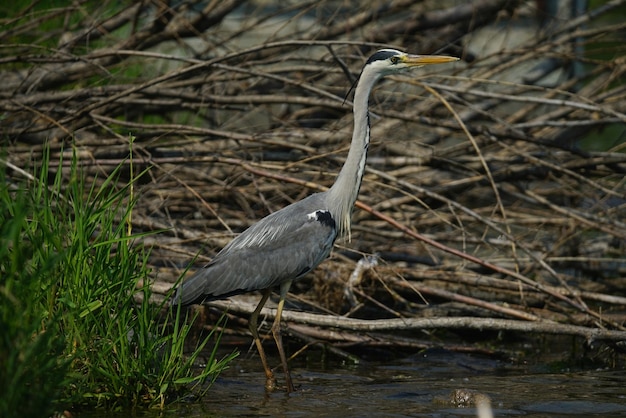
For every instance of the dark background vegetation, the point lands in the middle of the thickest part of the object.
(512, 159)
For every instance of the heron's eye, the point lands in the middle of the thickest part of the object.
(395, 59)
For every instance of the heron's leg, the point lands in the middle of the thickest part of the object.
(284, 288)
(270, 381)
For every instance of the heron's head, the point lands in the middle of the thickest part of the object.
(389, 61)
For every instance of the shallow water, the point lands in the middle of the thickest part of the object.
(419, 386)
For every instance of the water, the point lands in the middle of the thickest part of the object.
(420, 385)
(417, 385)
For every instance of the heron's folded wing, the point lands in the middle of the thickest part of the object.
(280, 247)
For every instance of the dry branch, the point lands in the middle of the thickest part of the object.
(416, 324)
(494, 189)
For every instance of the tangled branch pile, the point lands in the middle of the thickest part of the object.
(495, 187)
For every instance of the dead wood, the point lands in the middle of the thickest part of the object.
(415, 324)
(494, 197)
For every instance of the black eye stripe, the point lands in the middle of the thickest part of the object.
(381, 56)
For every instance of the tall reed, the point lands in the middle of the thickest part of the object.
(75, 301)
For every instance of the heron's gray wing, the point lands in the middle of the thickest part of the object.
(282, 246)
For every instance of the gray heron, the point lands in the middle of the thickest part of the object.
(289, 243)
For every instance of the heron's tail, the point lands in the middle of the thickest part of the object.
(188, 292)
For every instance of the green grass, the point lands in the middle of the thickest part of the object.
(78, 328)
(32, 345)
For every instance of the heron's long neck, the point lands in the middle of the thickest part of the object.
(344, 192)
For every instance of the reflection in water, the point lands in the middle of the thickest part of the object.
(421, 385)
(425, 384)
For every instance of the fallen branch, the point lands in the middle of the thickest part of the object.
(404, 324)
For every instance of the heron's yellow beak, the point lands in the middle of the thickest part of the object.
(419, 60)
